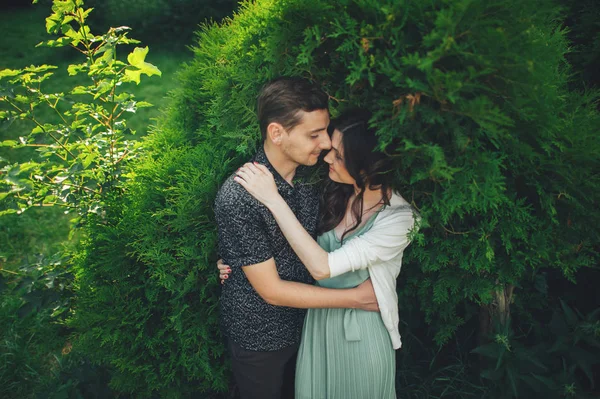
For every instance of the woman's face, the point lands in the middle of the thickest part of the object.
(335, 158)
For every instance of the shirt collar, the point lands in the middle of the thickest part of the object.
(283, 186)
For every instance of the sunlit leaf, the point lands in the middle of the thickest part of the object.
(74, 69)
(136, 59)
(60, 42)
(53, 23)
(9, 73)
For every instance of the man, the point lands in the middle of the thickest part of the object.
(263, 303)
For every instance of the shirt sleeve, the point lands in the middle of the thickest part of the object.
(386, 239)
(243, 238)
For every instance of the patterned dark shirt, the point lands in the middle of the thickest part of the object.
(248, 234)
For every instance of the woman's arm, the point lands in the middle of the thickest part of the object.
(385, 240)
(314, 258)
(259, 182)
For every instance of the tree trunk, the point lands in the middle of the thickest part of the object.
(498, 310)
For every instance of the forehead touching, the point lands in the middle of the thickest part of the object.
(336, 142)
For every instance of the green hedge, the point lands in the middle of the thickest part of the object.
(469, 96)
(583, 24)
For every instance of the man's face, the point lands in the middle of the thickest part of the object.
(304, 142)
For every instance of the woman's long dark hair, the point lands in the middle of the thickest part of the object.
(364, 163)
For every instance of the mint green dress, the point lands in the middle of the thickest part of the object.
(345, 353)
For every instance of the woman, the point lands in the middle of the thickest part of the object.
(364, 228)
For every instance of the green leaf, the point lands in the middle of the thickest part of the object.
(570, 316)
(80, 90)
(103, 87)
(85, 13)
(512, 380)
(53, 23)
(27, 166)
(108, 56)
(39, 68)
(75, 36)
(74, 69)
(87, 161)
(491, 350)
(9, 143)
(493, 375)
(60, 42)
(136, 59)
(9, 73)
(500, 357)
(22, 99)
(8, 212)
(122, 97)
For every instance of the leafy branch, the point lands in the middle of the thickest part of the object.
(84, 150)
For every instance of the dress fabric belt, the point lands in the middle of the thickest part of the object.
(351, 329)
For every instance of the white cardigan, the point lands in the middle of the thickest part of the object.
(380, 251)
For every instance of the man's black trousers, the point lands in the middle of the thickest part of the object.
(264, 375)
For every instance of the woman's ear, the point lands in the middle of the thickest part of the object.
(275, 133)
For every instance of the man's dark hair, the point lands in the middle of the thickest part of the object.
(281, 99)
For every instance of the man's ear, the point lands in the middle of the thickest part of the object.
(275, 132)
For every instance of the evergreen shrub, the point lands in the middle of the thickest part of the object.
(583, 23)
(468, 96)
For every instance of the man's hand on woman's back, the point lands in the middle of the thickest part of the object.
(366, 297)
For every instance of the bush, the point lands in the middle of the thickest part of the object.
(33, 302)
(584, 32)
(469, 96)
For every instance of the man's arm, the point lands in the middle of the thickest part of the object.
(243, 242)
(275, 291)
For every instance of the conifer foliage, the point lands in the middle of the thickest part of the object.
(470, 98)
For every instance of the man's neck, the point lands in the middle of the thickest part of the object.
(283, 166)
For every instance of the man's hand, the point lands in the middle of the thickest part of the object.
(224, 270)
(366, 297)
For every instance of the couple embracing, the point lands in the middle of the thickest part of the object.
(336, 249)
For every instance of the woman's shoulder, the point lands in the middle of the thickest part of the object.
(399, 210)
(399, 204)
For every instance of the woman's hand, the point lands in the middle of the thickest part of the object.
(224, 270)
(258, 180)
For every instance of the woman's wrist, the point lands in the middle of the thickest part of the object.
(275, 203)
